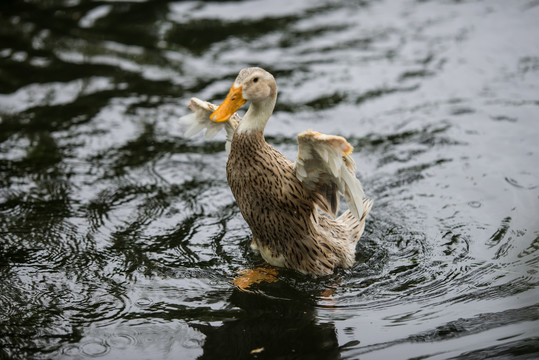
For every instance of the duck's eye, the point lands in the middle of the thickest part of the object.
(255, 79)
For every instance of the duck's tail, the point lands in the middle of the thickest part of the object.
(356, 226)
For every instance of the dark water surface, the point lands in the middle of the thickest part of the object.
(119, 237)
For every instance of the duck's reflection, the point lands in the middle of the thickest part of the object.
(270, 328)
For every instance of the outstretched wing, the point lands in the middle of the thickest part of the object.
(324, 166)
(200, 120)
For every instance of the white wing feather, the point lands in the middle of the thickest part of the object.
(200, 120)
(323, 164)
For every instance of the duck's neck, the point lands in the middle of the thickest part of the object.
(257, 116)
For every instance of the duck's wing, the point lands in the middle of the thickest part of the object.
(324, 166)
(200, 120)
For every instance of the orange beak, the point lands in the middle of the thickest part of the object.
(234, 100)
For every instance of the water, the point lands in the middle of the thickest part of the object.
(119, 238)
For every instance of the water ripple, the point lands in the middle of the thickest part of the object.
(120, 238)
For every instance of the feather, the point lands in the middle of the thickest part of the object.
(212, 131)
(301, 172)
(323, 153)
(188, 119)
(324, 165)
(194, 129)
(200, 120)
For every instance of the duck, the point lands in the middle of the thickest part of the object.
(291, 207)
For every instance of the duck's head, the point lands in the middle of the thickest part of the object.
(253, 84)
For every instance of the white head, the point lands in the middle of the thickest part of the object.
(255, 85)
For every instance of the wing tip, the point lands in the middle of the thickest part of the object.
(367, 206)
(332, 140)
(196, 104)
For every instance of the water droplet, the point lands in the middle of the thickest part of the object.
(94, 348)
(517, 184)
(71, 350)
(121, 340)
(144, 302)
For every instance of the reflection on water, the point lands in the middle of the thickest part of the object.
(270, 328)
(119, 238)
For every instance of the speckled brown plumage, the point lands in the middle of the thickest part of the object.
(282, 213)
(290, 207)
